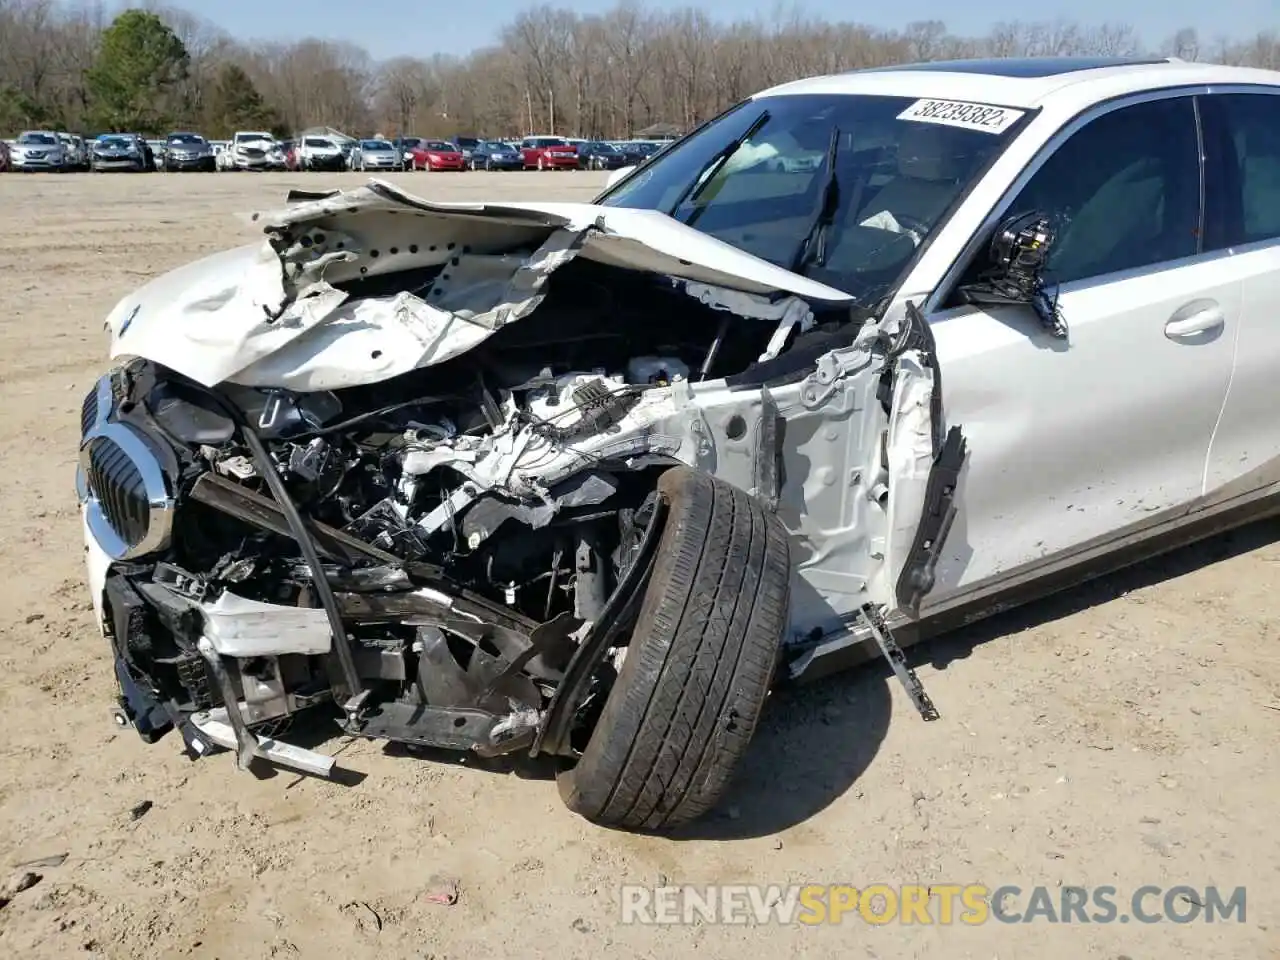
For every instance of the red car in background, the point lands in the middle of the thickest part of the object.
(548, 153)
(436, 155)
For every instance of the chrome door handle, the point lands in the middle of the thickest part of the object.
(1198, 316)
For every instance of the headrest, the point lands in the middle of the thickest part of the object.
(929, 151)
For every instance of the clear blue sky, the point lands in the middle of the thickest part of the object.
(392, 27)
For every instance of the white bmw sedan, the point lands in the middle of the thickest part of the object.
(901, 346)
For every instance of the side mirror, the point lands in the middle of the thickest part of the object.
(617, 175)
(1016, 259)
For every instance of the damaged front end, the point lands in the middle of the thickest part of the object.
(400, 463)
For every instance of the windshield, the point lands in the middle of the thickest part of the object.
(441, 145)
(320, 143)
(186, 139)
(44, 139)
(114, 142)
(547, 142)
(468, 142)
(603, 148)
(899, 166)
(375, 145)
(410, 143)
(252, 137)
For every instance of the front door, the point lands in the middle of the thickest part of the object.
(1073, 440)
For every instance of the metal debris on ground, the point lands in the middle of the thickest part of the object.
(444, 890)
(365, 917)
(17, 884)
(140, 810)
(55, 860)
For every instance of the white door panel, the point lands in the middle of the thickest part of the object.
(1248, 435)
(1073, 440)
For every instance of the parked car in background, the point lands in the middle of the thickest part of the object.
(121, 151)
(598, 155)
(548, 153)
(439, 155)
(4, 156)
(376, 155)
(38, 150)
(76, 150)
(223, 156)
(495, 155)
(466, 146)
(321, 153)
(158, 153)
(408, 146)
(188, 151)
(637, 152)
(255, 150)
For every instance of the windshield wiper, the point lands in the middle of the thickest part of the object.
(813, 247)
(709, 169)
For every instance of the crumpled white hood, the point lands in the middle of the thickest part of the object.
(268, 314)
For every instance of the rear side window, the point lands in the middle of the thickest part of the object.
(1124, 191)
(1249, 140)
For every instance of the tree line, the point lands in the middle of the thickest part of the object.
(154, 68)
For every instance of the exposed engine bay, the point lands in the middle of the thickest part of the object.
(452, 555)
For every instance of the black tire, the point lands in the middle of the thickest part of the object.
(699, 665)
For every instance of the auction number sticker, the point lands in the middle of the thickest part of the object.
(956, 113)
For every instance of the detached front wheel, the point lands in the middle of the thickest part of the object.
(699, 665)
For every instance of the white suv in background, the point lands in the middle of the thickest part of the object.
(321, 153)
(38, 150)
(255, 150)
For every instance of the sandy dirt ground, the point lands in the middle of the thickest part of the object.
(1124, 734)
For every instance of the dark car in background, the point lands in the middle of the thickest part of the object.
(121, 151)
(598, 155)
(189, 151)
(466, 146)
(495, 155)
(638, 151)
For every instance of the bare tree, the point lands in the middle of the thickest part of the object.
(551, 69)
(406, 90)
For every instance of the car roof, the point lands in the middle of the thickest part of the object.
(1028, 82)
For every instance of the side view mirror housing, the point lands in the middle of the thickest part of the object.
(1017, 256)
(617, 175)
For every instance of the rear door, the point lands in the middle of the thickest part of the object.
(1243, 191)
(1071, 442)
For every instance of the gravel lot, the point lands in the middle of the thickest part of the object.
(1124, 734)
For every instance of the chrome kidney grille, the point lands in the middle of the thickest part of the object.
(121, 483)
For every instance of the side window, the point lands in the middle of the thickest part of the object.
(1124, 191)
(1250, 142)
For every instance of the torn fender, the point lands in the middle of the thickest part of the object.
(271, 314)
